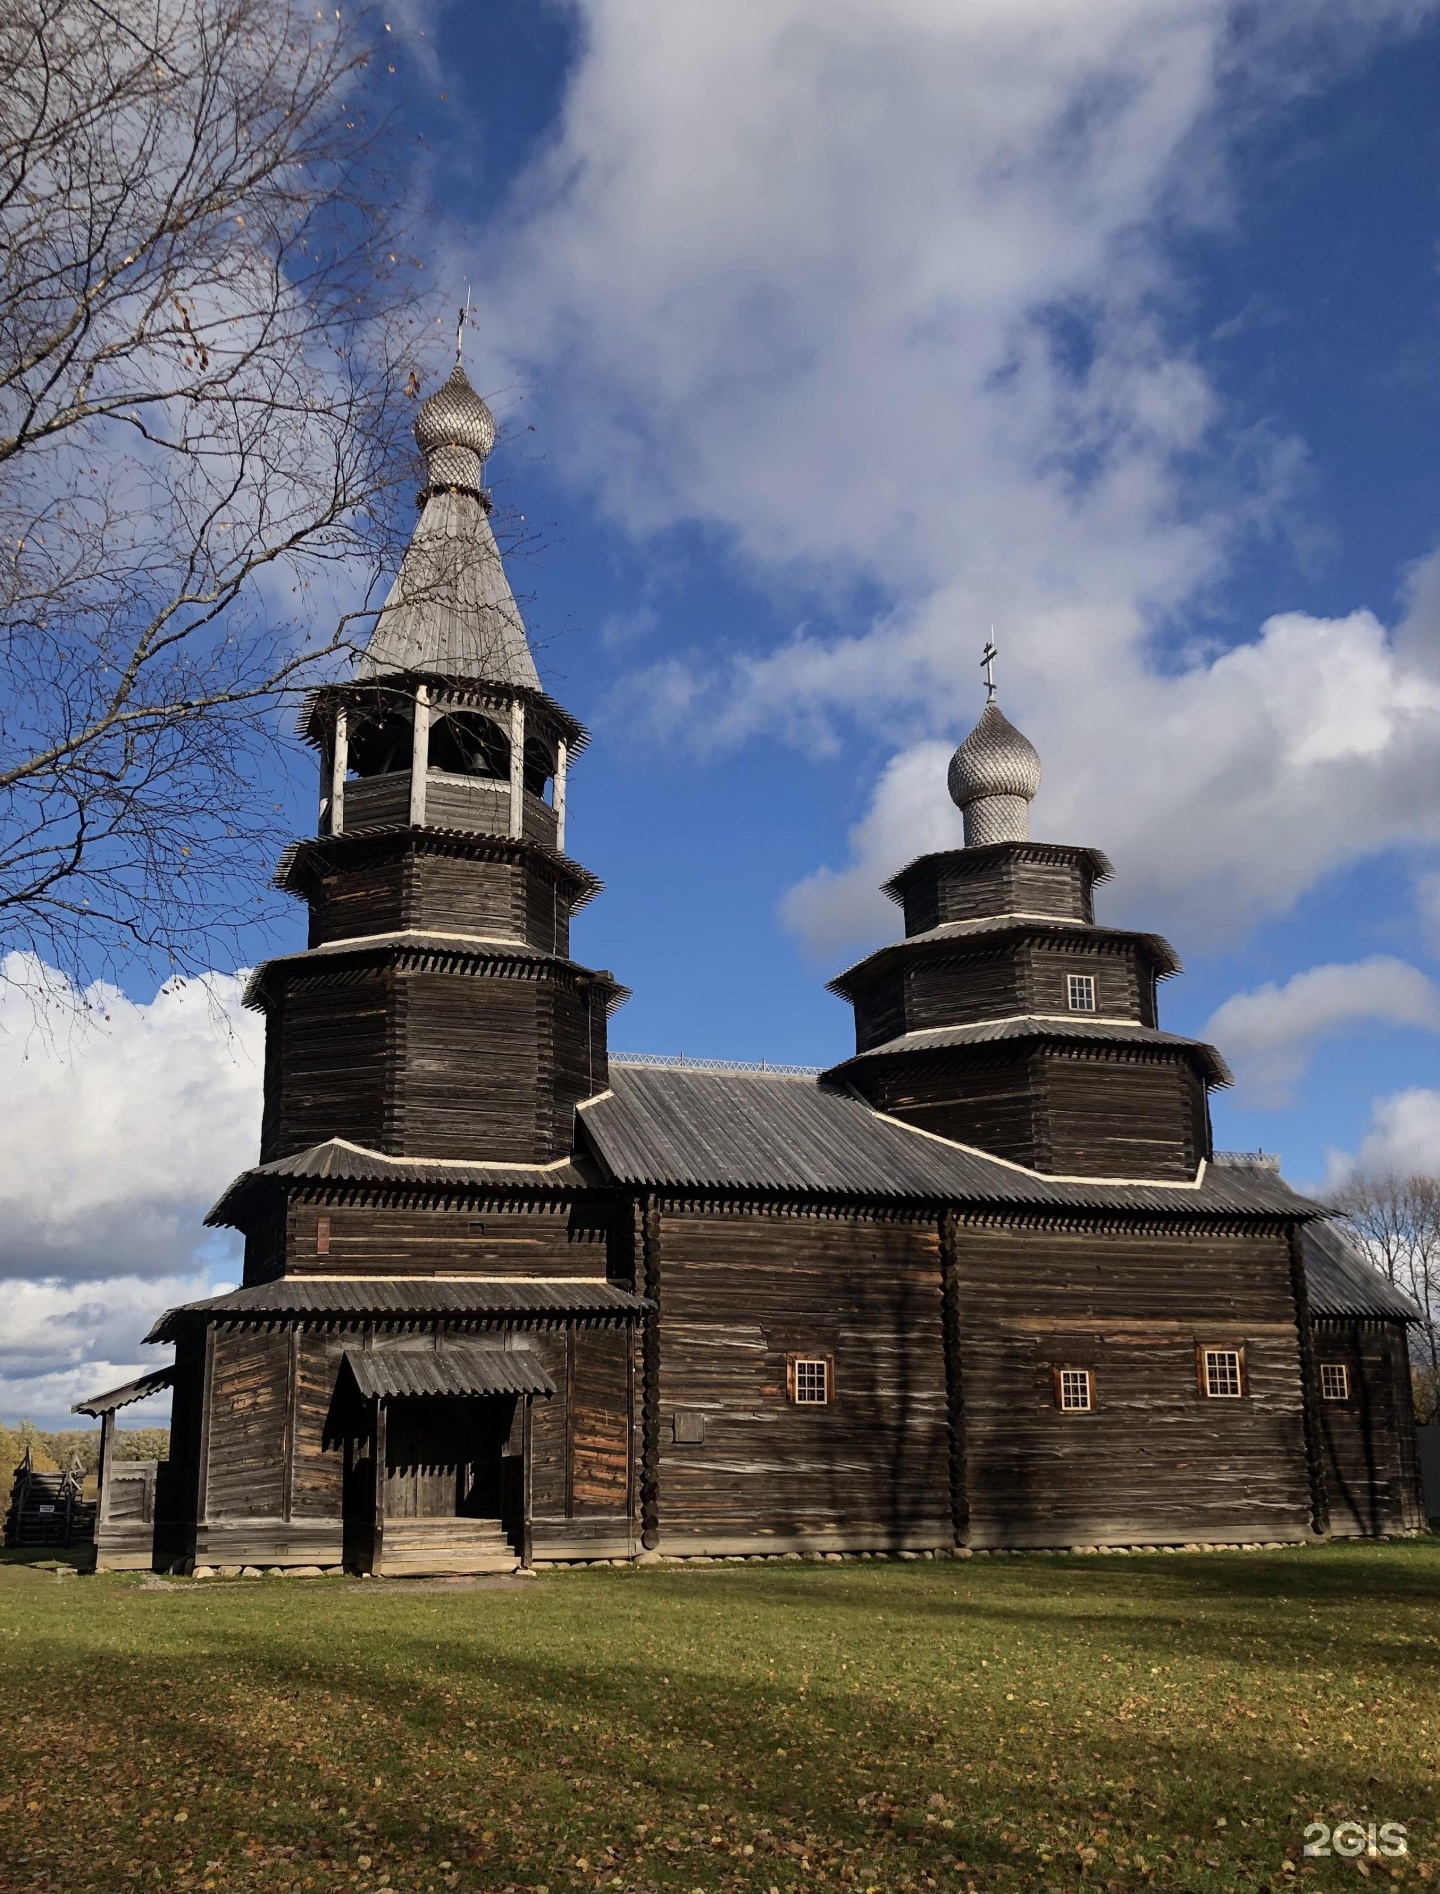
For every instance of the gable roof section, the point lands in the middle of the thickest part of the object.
(673, 1126)
(1342, 1281)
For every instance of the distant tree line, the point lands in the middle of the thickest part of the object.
(53, 1452)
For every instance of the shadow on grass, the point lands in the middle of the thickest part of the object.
(622, 1697)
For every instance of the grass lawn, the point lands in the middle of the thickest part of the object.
(1051, 1721)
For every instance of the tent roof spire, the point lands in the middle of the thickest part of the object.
(451, 612)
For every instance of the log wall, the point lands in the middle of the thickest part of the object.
(1372, 1478)
(740, 1292)
(1157, 1461)
(1101, 1111)
(370, 1236)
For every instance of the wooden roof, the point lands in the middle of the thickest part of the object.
(136, 1390)
(757, 1131)
(1092, 858)
(1342, 1281)
(454, 1370)
(344, 1162)
(995, 928)
(1124, 1032)
(404, 1299)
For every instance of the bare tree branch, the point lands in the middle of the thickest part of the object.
(208, 334)
(1397, 1222)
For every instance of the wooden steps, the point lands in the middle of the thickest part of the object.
(426, 1548)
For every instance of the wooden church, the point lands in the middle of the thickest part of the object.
(507, 1300)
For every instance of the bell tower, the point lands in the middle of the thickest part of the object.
(1008, 1018)
(436, 1012)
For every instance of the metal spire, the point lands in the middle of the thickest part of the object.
(987, 665)
(460, 329)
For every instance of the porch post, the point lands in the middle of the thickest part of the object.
(339, 763)
(517, 768)
(525, 1544)
(378, 1539)
(562, 758)
(419, 757)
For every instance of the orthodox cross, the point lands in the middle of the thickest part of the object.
(987, 665)
(460, 329)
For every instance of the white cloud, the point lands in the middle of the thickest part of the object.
(874, 288)
(1268, 1035)
(63, 1341)
(1404, 1136)
(124, 1121)
(122, 1125)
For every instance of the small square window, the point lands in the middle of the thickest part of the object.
(1222, 1373)
(810, 1380)
(1334, 1381)
(1074, 1391)
(1081, 989)
(687, 1426)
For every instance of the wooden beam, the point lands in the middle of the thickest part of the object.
(517, 768)
(1310, 1385)
(107, 1455)
(650, 1398)
(419, 757)
(525, 1460)
(339, 763)
(954, 1381)
(202, 1475)
(377, 1542)
(562, 762)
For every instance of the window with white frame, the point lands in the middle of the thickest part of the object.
(1074, 1391)
(1081, 990)
(811, 1379)
(1334, 1381)
(1222, 1373)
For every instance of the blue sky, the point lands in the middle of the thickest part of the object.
(825, 333)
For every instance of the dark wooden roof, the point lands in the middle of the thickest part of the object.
(449, 693)
(668, 1126)
(462, 1371)
(401, 1299)
(1342, 1281)
(982, 1032)
(1098, 863)
(305, 860)
(354, 1163)
(97, 1404)
(433, 953)
(999, 927)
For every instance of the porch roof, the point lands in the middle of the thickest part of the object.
(406, 1300)
(462, 1371)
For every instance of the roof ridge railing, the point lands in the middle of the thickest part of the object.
(683, 1062)
(1248, 1160)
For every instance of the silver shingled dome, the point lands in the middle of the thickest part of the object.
(994, 776)
(456, 432)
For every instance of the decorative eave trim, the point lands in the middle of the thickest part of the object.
(308, 854)
(1096, 859)
(459, 692)
(509, 959)
(1165, 960)
(1048, 1031)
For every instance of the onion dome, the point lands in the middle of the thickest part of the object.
(456, 431)
(994, 776)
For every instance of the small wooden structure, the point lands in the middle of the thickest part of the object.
(126, 1511)
(48, 1509)
(985, 1282)
(1367, 1409)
